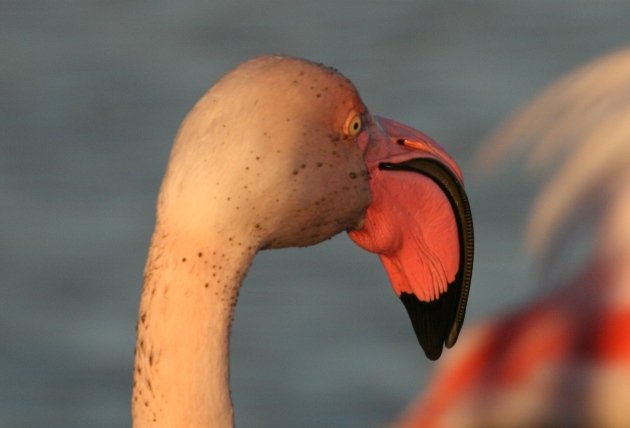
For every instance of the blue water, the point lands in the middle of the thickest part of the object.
(91, 94)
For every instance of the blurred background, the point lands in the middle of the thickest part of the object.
(91, 95)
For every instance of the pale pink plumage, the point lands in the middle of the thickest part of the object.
(563, 359)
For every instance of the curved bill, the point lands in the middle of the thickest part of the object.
(420, 224)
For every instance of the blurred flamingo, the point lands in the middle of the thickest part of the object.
(563, 359)
(282, 152)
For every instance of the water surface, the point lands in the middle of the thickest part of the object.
(91, 95)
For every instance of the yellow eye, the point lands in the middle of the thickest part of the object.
(354, 124)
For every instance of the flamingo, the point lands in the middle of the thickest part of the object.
(563, 359)
(282, 152)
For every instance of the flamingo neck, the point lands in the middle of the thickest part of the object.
(181, 376)
(614, 243)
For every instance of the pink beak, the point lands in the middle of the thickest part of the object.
(419, 223)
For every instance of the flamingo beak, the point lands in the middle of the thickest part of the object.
(419, 223)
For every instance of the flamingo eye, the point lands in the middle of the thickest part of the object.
(354, 124)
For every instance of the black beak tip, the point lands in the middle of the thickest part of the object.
(432, 322)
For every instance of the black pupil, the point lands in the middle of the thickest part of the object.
(356, 125)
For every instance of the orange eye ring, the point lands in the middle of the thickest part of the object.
(354, 124)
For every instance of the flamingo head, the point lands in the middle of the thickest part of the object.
(284, 152)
